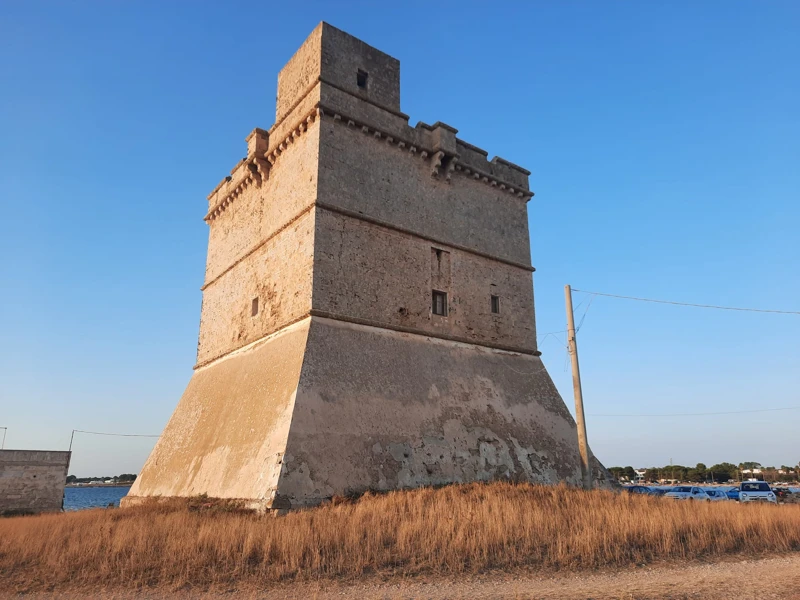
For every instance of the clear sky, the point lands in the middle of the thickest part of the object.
(664, 145)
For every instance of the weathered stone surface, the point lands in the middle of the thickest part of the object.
(322, 368)
(381, 409)
(228, 434)
(32, 481)
(383, 276)
(359, 173)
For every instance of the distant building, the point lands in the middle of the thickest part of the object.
(32, 481)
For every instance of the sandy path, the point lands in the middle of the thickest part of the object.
(763, 579)
(756, 579)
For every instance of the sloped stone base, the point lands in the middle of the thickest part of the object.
(228, 434)
(328, 408)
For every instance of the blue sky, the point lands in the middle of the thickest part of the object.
(663, 140)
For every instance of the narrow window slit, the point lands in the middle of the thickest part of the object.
(439, 304)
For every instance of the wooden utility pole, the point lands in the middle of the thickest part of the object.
(583, 445)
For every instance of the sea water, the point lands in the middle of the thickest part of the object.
(80, 498)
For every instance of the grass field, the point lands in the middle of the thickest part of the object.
(447, 531)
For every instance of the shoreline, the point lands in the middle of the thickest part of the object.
(97, 485)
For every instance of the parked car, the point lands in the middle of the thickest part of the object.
(686, 492)
(639, 489)
(733, 493)
(717, 495)
(756, 491)
(660, 491)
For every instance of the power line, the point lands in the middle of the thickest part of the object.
(580, 304)
(554, 336)
(5, 431)
(759, 310)
(74, 431)
(116, 434)
(544, 335)
(730, 412)
(588, 306)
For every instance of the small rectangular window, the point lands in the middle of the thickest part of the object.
(439, 306)
(361, 79)
(254, 307)
(496, 304)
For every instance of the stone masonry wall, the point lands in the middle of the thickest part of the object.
(278, 275)
(384, 277)
(380, 409)
(228, 433)
(261, 246)
(299, 73)
(32, 481)
(336, 57)
(367, 175)
(261, 212)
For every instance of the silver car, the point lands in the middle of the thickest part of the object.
(756, 491)
(687, 492)
(717, 496)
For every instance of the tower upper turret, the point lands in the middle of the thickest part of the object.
(342, 61)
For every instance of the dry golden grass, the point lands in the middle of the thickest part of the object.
(451, 530)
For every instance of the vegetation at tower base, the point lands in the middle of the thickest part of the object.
(451, 530)
(368, 316)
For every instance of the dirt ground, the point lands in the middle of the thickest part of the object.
(761, 579)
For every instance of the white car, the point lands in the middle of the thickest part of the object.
(756, 491)
(717, 495)
(687, 492)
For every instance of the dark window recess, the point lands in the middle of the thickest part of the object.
(439, 306)
(361, 79)
(254, 307)
(496, 304)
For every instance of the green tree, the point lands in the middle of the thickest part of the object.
(698, 474)
(750, 465)
(678, 472)
(722, 472)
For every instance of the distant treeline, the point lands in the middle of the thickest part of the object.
(124, 478)
(720, 473)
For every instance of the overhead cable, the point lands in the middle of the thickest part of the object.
(705, 414)
(141, 435)
(759, 310)
(117, 434)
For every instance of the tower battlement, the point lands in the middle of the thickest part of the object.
(328, 68)
(368, 314)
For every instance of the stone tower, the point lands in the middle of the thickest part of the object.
(367, 317)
